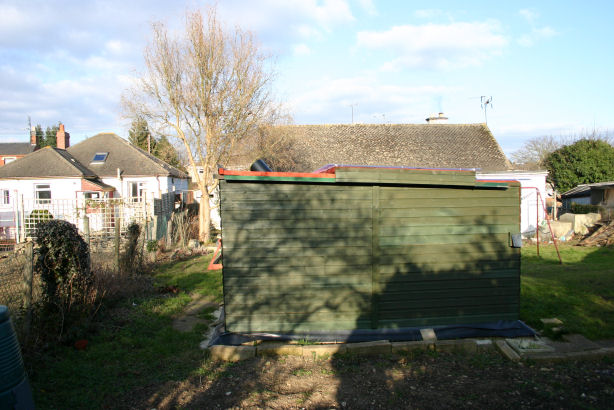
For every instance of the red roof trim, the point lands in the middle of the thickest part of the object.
(223, 171)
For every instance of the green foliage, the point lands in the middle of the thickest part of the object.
(584, 208)
(583, 162)
(152, 246)
(140, 136)
(131, 260)
(36, 216)
(64, 264)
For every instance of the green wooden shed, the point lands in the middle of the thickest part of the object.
(351, 248)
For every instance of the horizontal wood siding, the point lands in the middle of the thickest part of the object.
(297, 257)
(453, 267)
(368, 252)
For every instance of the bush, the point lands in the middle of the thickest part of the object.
(64, 265)
(152, 246)
(132, 258)
(584, 208)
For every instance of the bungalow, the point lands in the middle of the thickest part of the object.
(11, 151)
(103, 166)
(435, 144)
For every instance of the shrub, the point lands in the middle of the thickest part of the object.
(584, 208)
(64, 265)
(131, 259)
(152, 246)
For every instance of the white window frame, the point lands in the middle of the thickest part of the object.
(39, 188)
(5, 197)
(8, 160)
(140, 190)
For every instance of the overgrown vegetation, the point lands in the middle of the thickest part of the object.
(131, 259)
(580, 292)
(584, 208)
(64, 265)
(132, 345)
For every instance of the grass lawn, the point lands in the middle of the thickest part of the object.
(135, 346)
(580, 292)
(136, 359)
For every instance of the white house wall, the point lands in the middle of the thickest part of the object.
(154, 186)
(531, 208)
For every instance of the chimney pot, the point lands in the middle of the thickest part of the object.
(440, 118)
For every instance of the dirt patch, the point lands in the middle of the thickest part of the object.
(426, 380)
(191, 315)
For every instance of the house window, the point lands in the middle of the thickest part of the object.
(42, 193)
(5, 197)
(136, 191)
(99, 158)
(91, 195)
(8, 160)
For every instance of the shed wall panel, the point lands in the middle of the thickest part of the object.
(368, 252)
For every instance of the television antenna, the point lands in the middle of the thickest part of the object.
(352, 106)
(484, 103)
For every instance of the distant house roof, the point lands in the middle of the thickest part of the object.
(132, 161)
(410, 145)
(78, 161)
(16, 148)
(585, 189)
(47, 162)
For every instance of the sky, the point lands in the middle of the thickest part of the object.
(546, 64)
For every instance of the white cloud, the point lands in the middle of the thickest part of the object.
(302, 50)
(374, 101)
(368, 7)
(427, 13)
(437, 45)
(537, 33)
(529, 15)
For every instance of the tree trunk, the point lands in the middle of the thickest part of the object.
(204, 217)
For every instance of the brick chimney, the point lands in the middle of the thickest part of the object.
(33, 138)
(62, 138)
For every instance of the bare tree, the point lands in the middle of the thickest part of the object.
(534, 151)
(209, 89)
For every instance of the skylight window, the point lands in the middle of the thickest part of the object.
(100, 158)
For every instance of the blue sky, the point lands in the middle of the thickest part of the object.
(547, 64)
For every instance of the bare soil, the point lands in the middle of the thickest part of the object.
(426, 380)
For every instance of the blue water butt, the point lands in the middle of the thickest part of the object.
(15, 392)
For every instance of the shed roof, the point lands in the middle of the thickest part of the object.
(585, 189)
(47, 162)
(411, 145)
(16, 148)
(132, 160)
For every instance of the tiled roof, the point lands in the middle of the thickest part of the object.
(46, 162)
(15, 148)
(410, 145)
(132, 161)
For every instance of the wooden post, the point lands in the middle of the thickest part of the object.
(169, 232)
(28, 275)
(117, 245)
(86, 229)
